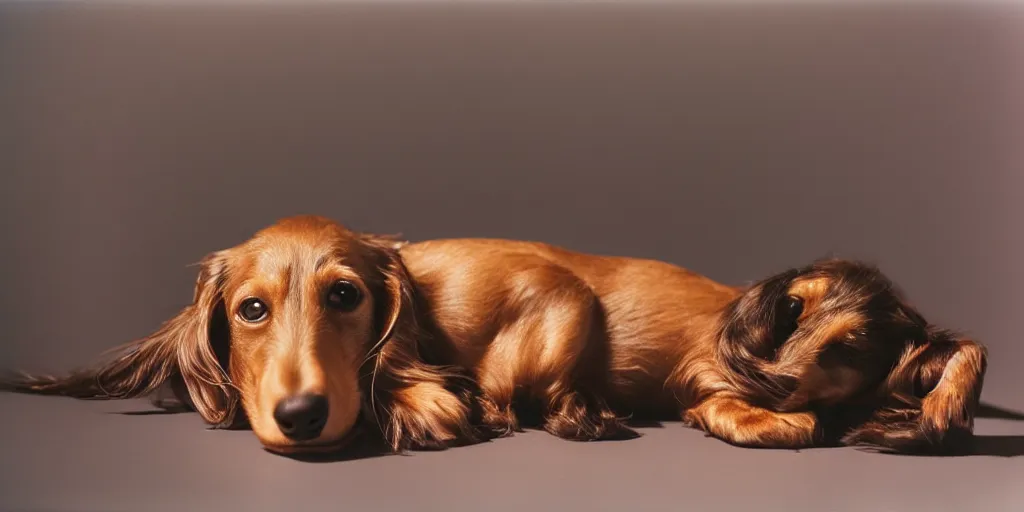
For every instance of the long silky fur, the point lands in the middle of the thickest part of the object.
(745, 334)
(179, 355)
(133, 370)
(394, 363)
(903, 354)
(900, 423)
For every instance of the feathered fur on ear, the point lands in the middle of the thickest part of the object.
(413, 403)
(930, 397)
(180, 353)
(393, 290)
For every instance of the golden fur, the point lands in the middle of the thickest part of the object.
(460, 340)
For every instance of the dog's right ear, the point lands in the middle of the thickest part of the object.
(410, 402)
(202, 345)
(392, 287)
(183, 352)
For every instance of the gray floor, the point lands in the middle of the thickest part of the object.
(65, 455)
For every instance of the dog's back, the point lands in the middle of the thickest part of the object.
(650, 313)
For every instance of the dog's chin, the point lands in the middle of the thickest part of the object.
(315, 447)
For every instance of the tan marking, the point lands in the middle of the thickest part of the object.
(802, 351)
(812, 291)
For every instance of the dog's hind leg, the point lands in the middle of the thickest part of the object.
(555, 352)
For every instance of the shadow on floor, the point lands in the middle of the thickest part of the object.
(362, 447)
(996, 412)
(979, 446)
(997, 446)
(370, 447)
(645, 423)
(987, 445)
(149, 412)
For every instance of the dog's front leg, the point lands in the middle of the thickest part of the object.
(934, 393)
(737, 422)
(426, 407)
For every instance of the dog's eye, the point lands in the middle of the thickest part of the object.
(252, 310)
(792, 308)
(343, 296)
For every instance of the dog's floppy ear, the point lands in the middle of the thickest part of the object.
(203, 342)
(747, 338)
(392, 287)
(180, 353)
(412, 403)
(930, 397)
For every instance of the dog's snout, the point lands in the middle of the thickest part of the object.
(301, 417)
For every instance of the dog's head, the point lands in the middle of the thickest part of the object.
(281, 328)
(818, 335)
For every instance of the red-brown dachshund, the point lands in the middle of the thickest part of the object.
(308, 326)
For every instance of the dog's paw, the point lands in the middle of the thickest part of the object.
(934, 428)
(692, 420)
(897, 430)
(946, 422)
(428, 416)
(576, 419)
(497, 420)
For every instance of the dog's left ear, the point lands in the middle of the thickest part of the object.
(747, 337)
(930, 397)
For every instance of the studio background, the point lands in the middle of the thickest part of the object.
(735, 140)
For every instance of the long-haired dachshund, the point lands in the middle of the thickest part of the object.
(308, 326)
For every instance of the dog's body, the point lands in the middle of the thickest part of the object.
(455, 337)
(535, 322)
(647, 337)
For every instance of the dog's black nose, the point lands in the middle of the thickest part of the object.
(301, 417)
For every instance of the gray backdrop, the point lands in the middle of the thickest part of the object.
(734, 140)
